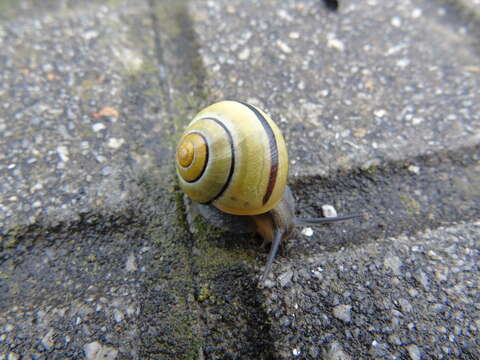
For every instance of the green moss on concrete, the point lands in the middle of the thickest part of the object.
(372, 170)
(9, 8)
(13, 236)
(211, 255)
(4, 275)
(469, 184)
(115, 2)
(92, 258)
(412, 206)
(181, 316)
(204, 292)
(11, 242)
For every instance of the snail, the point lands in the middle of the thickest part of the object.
(233, 156)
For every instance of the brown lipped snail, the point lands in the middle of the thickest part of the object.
(233, 156)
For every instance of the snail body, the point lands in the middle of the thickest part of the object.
(233, 156)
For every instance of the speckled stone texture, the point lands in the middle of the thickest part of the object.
(102, 256)
(80, 109)
(87, 134)
(379, 300)
(350, 88)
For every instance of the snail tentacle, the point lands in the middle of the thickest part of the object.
(301, 221)
(277, 239)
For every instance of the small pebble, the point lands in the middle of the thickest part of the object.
(343, 312)
(115, 143)
(13, 356)
(414, 352)
(324, 92)
(412, 292)
(336, 352)
(48, 340)
(329, 211)
(380, 113)
(118, 315)
(269, 283)
(441, 274)
(360, 132)
(90, 34)
(98, 127)
(333, 42)
(97, 351)
(414, 169)
(283, 14)
(394, 339)
(285, 278)
(396, 21)
(416, 13)
(393, 263)
(294, 35)
(307, 231)
(417, 120)
(63, 153)
(284, 47)
(405, 305)
(422, 278)
(403, 63)
(244, 54)
(131, 265)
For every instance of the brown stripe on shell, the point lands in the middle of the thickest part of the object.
(273, 152)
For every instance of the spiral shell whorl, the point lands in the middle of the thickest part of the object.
(233, 156)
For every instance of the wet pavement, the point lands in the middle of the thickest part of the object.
(102, 257)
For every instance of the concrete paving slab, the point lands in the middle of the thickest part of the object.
(372, 82)
(408, 297)
(120, 286)
(94, 259)
(99, 255)
(82, 110)
(379, 105)
(472, 7)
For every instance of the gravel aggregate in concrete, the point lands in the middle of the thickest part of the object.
(350, 88)
(100, 256)
(409, 296)
(82, 111)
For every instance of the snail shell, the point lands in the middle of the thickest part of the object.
(233, 156)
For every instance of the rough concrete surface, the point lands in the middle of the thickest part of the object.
(102, 257)
(80, 110)
(352, 88)
(383, 299)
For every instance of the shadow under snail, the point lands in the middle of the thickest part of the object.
(233, 156)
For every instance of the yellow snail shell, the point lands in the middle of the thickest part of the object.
(233, 156)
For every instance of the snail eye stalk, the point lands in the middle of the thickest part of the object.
(277, 239)
(300, 221)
